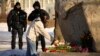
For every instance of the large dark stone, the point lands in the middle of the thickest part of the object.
(78, 16)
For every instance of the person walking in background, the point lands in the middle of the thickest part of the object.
(35, 29)
(17, 23)
(43, 16)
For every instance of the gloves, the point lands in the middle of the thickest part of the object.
(24, 29)
(9, 29)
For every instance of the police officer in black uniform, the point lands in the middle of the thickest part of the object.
(17, 23)
(38, 12)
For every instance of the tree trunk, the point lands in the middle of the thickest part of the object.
(3, 7)
(3, 11)
(58, 34)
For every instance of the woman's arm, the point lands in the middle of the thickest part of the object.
(42, 31)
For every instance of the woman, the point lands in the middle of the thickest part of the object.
(35, 28)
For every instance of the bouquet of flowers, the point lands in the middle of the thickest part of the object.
(61, 47)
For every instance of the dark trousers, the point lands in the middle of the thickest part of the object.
(42, 39)
(14, 34)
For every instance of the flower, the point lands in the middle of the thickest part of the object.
(66, 48)
(52, 50)
(85, 50)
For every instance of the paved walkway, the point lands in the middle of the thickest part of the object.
(69, 54)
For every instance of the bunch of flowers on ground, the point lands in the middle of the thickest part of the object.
(61, 47)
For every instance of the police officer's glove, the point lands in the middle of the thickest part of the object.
(24, 29)
(9, 29)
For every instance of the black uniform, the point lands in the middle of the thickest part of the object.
(17, 23)
(39, 13)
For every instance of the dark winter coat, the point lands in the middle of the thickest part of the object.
(39, 13)
(17, 19)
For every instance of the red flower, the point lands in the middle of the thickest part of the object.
(52, 50)
(46, 49)
(63, 51)
(85, 50)
(73, 45)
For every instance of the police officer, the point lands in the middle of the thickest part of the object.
(17, 23)
(44, 16)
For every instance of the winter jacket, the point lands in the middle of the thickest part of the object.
(39, 13)
(17, 19)
(36, 28)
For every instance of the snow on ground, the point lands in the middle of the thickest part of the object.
(5, 38)
(13, 53)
